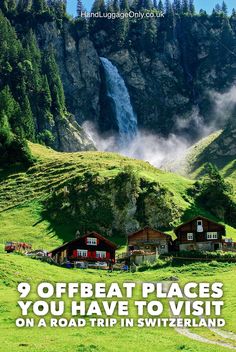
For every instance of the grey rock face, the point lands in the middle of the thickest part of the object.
(79, 68)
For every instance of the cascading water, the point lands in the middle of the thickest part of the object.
(117, 91)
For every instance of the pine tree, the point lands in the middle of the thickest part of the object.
(191, 7)
(233, 12)
(147, 4)
(9, 112)
(124, 5)
(45, 117)
(98, 5)
(80, 7)
(27, 119)
(227, 35)
(8, 6)
(116, 6)
(150, 34)
(202, 12)
(38, 6)
(218, 8)
(185, 7)
(155, 4)
(140, 5)
(24, 5)
(160, 6)
(167, 6)
(55, 84)
(177, 6)
(224, 8)
(122, 28)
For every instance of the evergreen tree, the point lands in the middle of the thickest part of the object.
(55, 84)
(122, 28)
(167, 6)
(214, 193)
(227, 36)
(233, 12)
(24, 5)
(140, 4)
(124, 5)
(147, 4)
(8, 6)
(45, 120)
(202, 12)
(150, 35)
(160, 6)
(177, 6)
(185, 7)
(191, 7)
(224, 8)
(27, 119)
(9, 108)
(218, 8)
(9, 54)
(38, 6)
(98, 5)
(116, 6)
(80, 7)
(155, 4)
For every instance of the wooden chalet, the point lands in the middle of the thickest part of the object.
(91, 248)
(199, 233)
(149, 240)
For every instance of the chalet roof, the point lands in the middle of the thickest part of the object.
(93, 233)
(149, 228)
(199, 217)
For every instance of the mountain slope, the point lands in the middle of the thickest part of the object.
(66, 192)
(219, 149)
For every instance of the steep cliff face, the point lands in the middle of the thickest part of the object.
(176, 75)
(166, 82)
(79, 67)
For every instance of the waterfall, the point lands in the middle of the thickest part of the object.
(124, 114)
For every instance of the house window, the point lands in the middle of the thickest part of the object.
(212, 235)
(101, 254)
(190, 236)
(82, 252)
(91, 241)
(199, 226)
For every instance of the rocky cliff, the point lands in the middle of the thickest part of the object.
(167, 84)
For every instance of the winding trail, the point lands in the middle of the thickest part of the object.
(223, 333)
(185, 332)
(193, 336)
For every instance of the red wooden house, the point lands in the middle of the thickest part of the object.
(199, 233)
(91, 248)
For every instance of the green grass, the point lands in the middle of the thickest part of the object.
(193, 164)
(15, 269)
(22, 193)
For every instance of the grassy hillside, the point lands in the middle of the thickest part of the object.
(23, 193)
(15, 269)
(213, 149)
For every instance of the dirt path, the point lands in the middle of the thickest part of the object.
(196, 337)
(193, 336)
(224, 333)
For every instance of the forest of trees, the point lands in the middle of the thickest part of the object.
(31, 92)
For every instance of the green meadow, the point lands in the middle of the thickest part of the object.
(22, 196)
(22, 193)
(15, 269)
